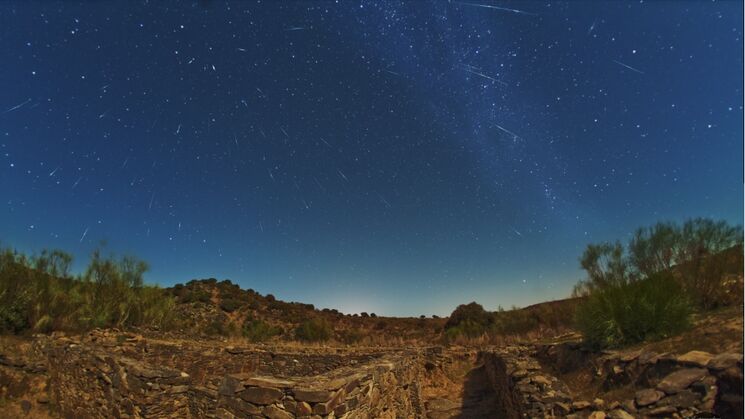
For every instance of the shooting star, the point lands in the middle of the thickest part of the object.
(53, 171)
(491, 6)
(76, 183)
(342, 175)
(508, 132)
(178, 129)
(85, 233)
(150, 205)
(483, 75)
(326, 142)
(517, 232)
(383, 200)
(592, 27)
(295, 28)
(628, 66)
(20, 105)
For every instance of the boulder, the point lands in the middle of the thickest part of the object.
(724, 361)
(274, 412)
(619, 414)
(695, 358)
(681, 379)
(580, 405)
(648, 396)
(311, 395)
(260, 395)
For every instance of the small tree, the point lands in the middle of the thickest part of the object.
(654, 249)
(605, 265)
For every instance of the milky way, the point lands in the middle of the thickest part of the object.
(398, 158)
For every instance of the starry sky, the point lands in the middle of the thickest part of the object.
(390, 157)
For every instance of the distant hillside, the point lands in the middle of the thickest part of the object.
(221, 308)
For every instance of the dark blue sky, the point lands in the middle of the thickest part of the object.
(399, 158)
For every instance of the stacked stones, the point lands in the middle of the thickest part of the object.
(372, 390)
(679, 386)
(669, 386)
(89, 382)
(526, 390)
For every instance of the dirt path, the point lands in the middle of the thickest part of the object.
(465, 396)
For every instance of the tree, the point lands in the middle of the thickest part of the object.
(701, 239)
(654, 249)
(605, 265)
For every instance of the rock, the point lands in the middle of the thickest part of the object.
(630, 356)
(680, 380)
(724, 361)
(25, 406)
(628, 405)
(562, 408)
(179, 389)
(311, 395)
(619, 414)
(441, 405)
(683, 398)
(598, 404)
(695, 358)
(598, 414)
(580, 405)
(648, 396)
(230, 385)
(303, 409)
(646, 358)
(274, 412)
(541, 380)
(665, 411)
(261, 381)
(42, 399)
(261, 395)
(238, 406)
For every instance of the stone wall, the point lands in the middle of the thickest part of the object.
(87, 381)
(524, 389)
(661, 385)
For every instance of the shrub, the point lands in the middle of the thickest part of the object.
(258, 331)
(314, 330)
(230, 305)
(471, 312)
(626, 313)
(352, 336)
(216, 327)
(38, 292)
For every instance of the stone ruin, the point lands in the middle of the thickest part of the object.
(126, 376)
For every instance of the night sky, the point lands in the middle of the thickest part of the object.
(396, 158)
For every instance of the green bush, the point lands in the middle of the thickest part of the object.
(314, 330)
(39, 292)
(635, 311)
(258, 331)
(230, 305)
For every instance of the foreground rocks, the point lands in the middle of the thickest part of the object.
(115, 374)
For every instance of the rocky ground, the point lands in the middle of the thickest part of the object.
(108, 373)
